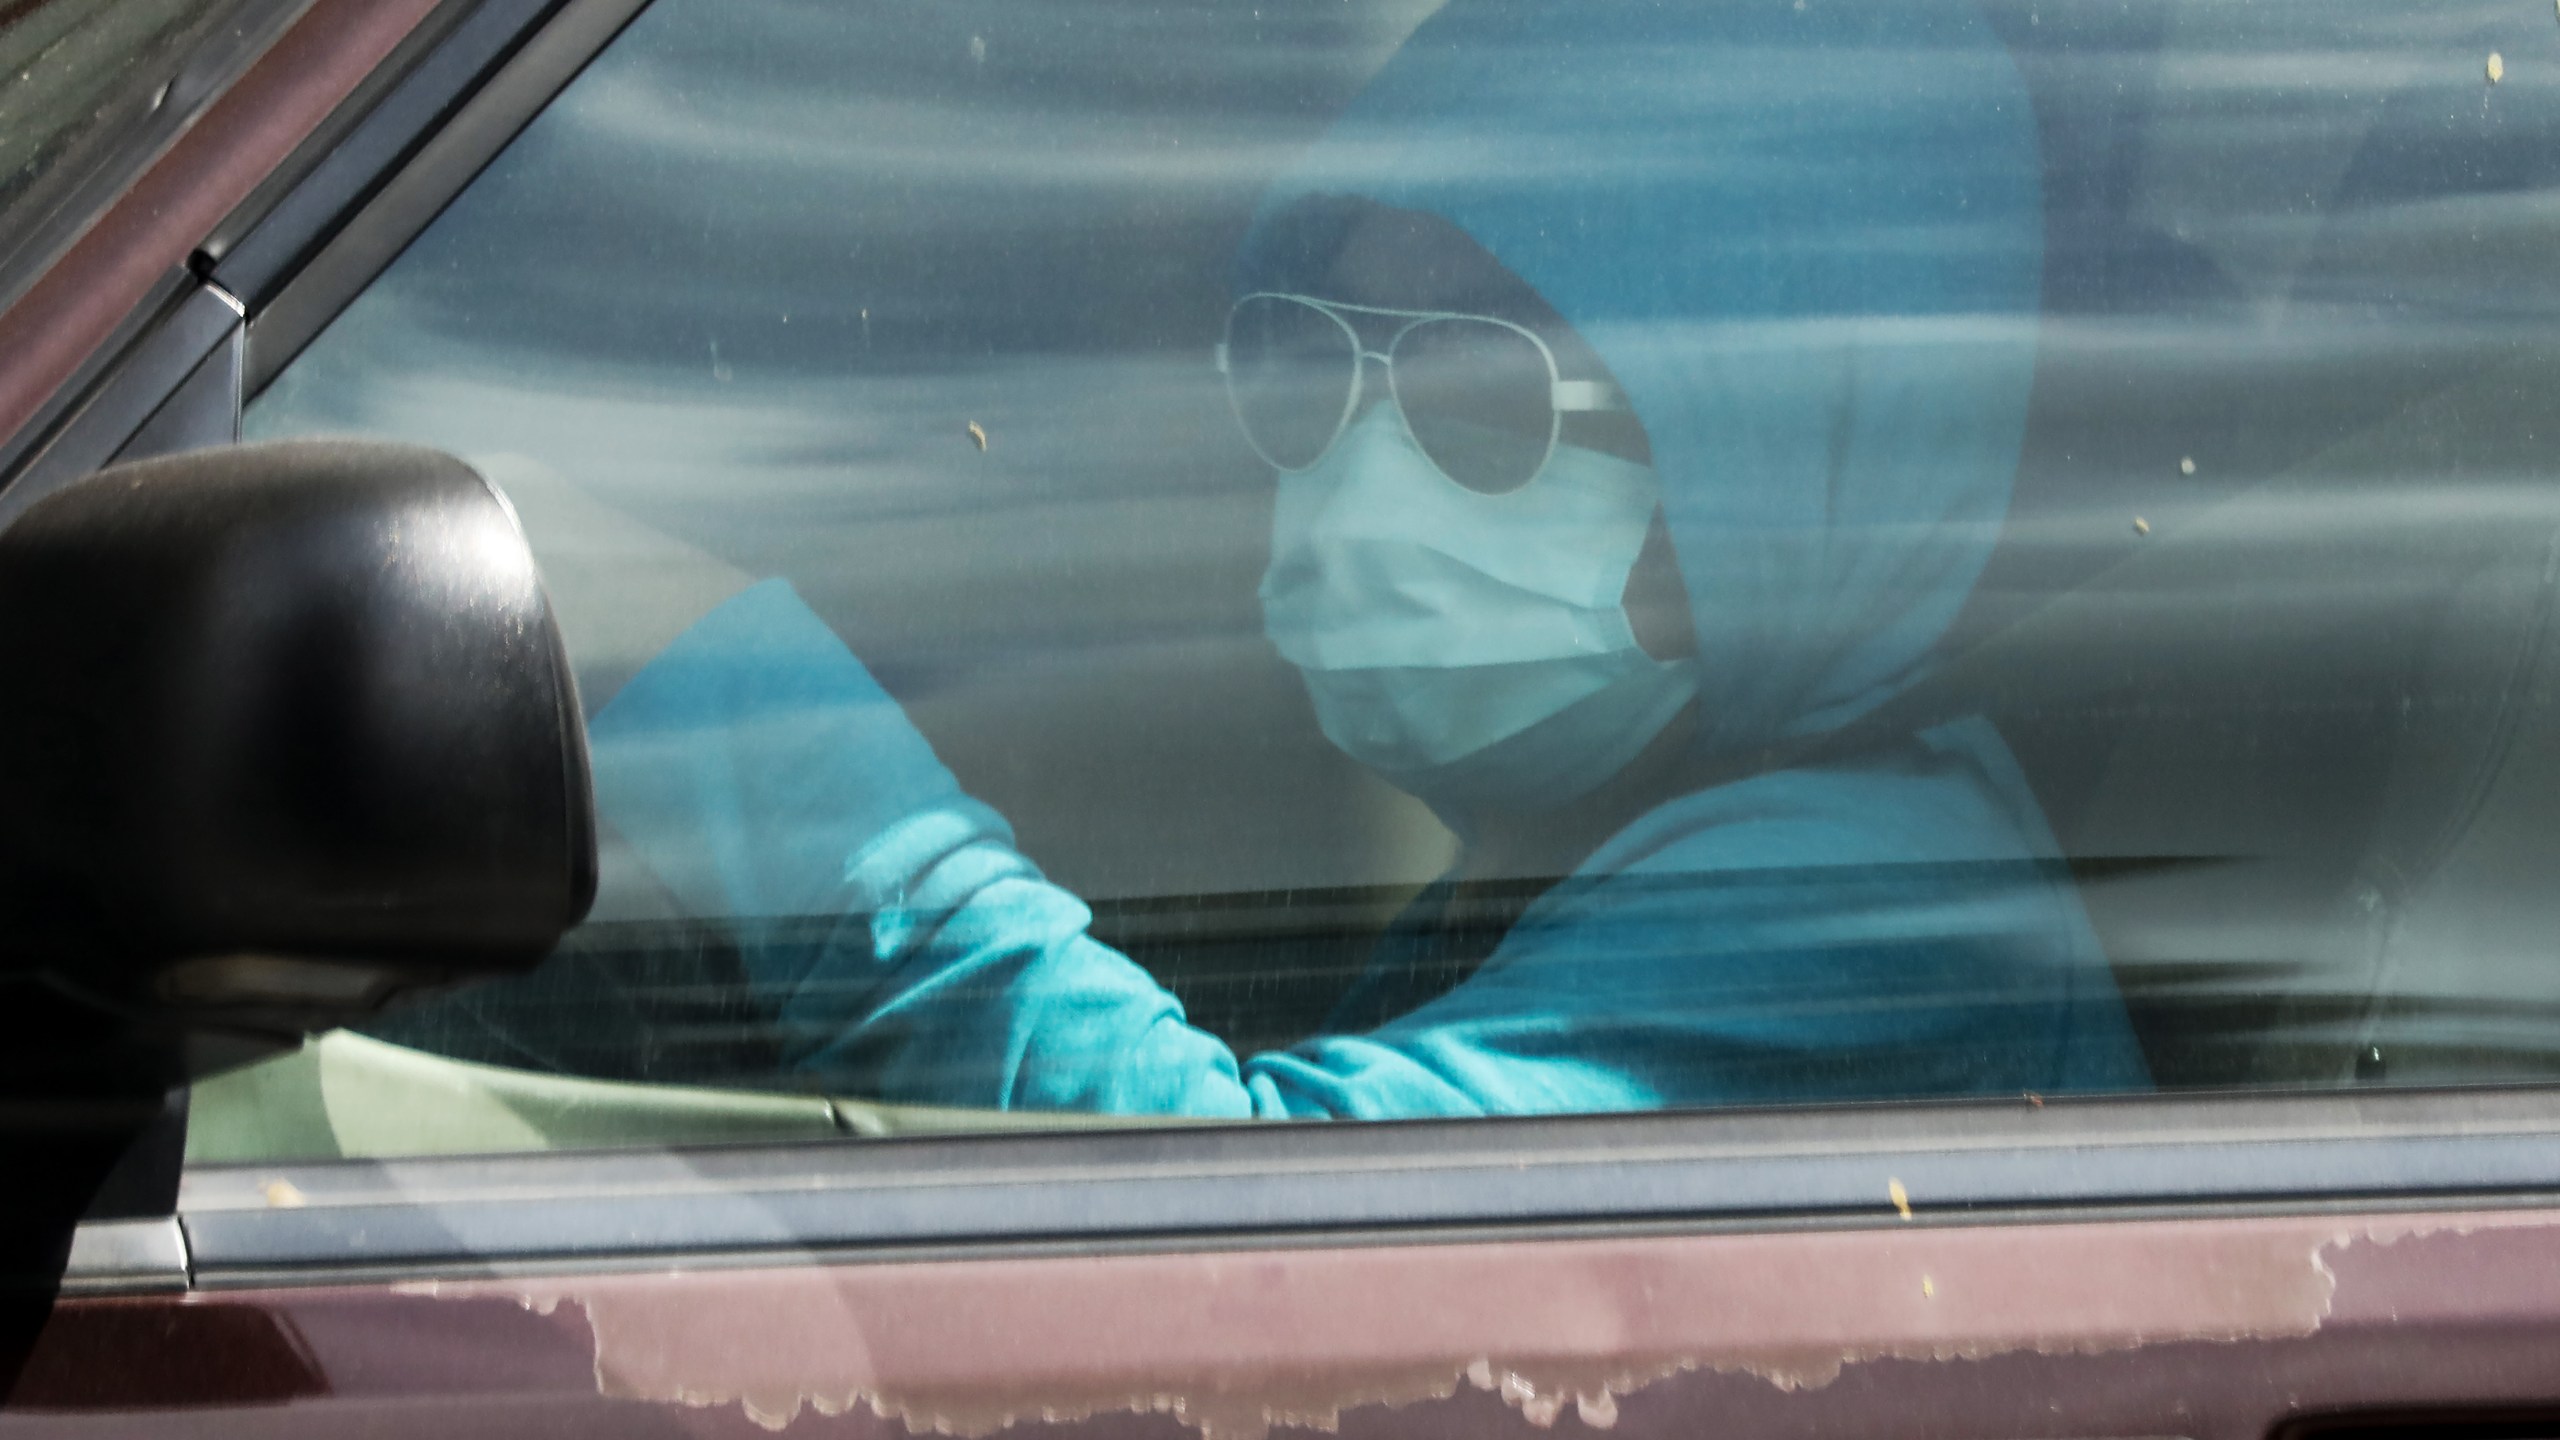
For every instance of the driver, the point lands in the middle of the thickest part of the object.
(1642, 387)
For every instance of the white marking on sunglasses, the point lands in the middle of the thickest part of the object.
(1565, 397)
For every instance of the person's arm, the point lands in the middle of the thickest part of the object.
(914, 955)
(909, 951)
(620, 590)
(1892, 927)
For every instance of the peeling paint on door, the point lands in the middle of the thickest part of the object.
(1236, 1343)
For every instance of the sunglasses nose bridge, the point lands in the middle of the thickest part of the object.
(1367, 389)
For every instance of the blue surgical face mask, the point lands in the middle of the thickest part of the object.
(1473, 649)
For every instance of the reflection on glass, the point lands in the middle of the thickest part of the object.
(1587, 556)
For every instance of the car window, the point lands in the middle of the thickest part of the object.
(81, 83)
(1384, 560)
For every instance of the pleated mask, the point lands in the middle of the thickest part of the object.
(1472, 649)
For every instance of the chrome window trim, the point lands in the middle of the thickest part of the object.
(287, 1223)
(127, 1257)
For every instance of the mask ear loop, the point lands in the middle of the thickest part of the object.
(1350, 391)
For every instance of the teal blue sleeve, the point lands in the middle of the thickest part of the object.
(911, 953)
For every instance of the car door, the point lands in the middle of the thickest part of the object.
(926, 318)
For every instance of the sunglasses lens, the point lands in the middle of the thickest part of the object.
(1480, 399)
(1291, 368)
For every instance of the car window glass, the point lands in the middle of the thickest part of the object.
(1382, 560)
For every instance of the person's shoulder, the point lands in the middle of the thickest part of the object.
(1813, 816)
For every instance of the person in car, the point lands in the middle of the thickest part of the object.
(1643, 387)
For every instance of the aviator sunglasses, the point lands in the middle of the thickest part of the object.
(1481, 397)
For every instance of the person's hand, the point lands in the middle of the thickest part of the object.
(619, 589)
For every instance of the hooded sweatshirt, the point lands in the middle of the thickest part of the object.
(1806, 237)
